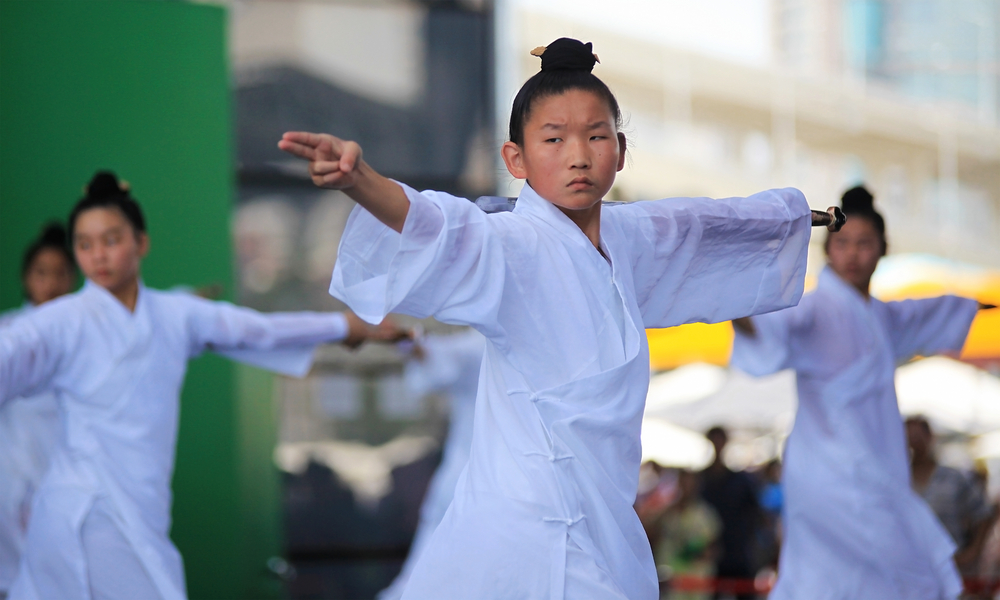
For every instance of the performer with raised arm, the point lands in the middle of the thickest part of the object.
(29, 427)
(115, 355)
(563, 292)
(854, 529)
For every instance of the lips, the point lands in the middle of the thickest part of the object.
(580, 181)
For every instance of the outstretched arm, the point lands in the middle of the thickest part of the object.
(338, 164)
(931, 325)
(28, 360)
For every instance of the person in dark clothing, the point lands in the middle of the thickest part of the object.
(733, 495)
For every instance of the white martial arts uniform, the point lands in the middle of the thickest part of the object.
(544, 508)
(118, 376)
(854, 529)
(29, 429)
(451, 365)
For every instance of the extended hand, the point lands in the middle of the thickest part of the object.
(332, 161)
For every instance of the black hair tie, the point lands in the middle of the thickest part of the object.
(567, 54)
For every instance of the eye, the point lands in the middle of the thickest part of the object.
(553, 140)
(598, 137)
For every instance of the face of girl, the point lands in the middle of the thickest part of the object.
(854, 252)
(572, 150)
(49, 276)
(108, 249)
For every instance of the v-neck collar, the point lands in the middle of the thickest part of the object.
(529, 203)
(828, 278)
(114, 304)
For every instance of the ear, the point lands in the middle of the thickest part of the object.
(143, 240)
(513, 157)
(621, 150)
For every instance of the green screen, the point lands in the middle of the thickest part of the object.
(142, 88)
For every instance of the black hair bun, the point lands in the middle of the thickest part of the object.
(105, 185)
(54, 234)
(567, 54)
(858, 200)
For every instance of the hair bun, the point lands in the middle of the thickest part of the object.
(104, 185)
(858, 200)
(54, 234)
(567, 54)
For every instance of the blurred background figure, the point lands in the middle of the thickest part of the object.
(683, 531)
(733, 496)
(772, 501)
(447, 364)
(956, 497)
(29, 427)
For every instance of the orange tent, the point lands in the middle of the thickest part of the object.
(897, 277)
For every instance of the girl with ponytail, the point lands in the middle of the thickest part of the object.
(114, 355)
(854, 529)
(563, 288)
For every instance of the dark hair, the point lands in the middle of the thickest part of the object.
(858, 202)
(53, 237)
(566, 65)
(105, 191)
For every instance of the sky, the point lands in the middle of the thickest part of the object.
(737, 30)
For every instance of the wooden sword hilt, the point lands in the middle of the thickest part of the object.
(833, 219)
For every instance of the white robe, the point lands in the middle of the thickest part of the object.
(854, 529)
(544, 508)
(29, 429)
(451, 365)
(118, 377)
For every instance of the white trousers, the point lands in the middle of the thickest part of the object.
(113, 569)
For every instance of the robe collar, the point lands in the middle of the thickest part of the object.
(828, 279)
(110, 302)
(530, 204)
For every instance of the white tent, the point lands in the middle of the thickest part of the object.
(951, 394)
(728, 398)
(673, 446)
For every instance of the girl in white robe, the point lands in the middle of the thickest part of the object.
(115, 354)
(854, 529)
(563, 292)
(447, 364)
(29, 427)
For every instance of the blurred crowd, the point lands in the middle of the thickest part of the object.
(716, 533)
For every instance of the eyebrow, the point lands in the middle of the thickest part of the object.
(590, 126)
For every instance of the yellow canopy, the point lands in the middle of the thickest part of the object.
(897, 277)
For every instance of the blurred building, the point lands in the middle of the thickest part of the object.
(898, 94)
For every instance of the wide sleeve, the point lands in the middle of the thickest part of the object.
(929, 326)
(28, 359)
(447, 263)
(282, 342)
(769, 349)
(704, 260)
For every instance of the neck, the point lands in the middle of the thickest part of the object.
(588, 220)
(127, 294)
(924, 460)
(864, 288)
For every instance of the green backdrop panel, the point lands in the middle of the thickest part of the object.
(142, 88)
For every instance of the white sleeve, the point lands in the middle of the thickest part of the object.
(447, 262)
(704, 260)
(768, 349)
(28, 360)
(282, 342)
(930, 326)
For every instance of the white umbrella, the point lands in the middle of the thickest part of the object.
(740, 402)
(684, 384)
(673, 446)
(951, 394)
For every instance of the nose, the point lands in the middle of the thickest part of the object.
(579, 155)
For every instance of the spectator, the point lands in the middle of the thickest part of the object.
(772, 501)
(956, 498)
(733, 495)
